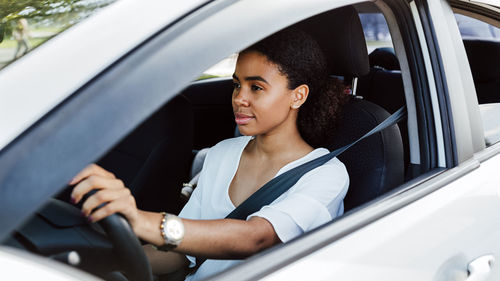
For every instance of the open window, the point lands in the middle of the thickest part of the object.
(195, 110)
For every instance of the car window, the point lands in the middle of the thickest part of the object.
(376, 31)
(24, 25)
(482, 44)
(471, 28)
(224, 68)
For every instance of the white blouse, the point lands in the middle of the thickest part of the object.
(314, 200)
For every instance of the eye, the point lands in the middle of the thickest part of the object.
(236, 85)
(256, 88)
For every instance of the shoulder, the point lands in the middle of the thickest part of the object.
(327, 184)
(332, 172)
(333, 167)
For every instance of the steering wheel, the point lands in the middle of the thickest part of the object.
(127, 247)
(105, 247)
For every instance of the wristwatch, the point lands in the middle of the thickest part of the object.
(172, 231)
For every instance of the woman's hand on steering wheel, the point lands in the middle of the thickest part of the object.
(110, 191)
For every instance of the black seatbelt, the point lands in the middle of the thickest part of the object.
(280, 184)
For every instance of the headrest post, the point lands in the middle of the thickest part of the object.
(354, 85)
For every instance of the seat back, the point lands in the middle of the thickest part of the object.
(384, 87)
(375, 165)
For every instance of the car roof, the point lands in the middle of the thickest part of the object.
(495, 3)
(65, 63)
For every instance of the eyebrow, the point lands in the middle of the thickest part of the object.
(252, 78)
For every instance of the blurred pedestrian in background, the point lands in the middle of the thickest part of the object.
(21, 34)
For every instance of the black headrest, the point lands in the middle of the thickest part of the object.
(340, 35)
(385, 58)
(484, 57)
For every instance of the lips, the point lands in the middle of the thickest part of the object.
(242, 119)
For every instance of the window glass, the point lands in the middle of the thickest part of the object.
(482, 44)
(224, 68)
(471, 28)
(24, 25)
(376, 31)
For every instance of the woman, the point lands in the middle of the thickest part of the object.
(285, 105)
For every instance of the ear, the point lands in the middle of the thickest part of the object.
(299, 96)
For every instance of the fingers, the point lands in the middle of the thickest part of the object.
(124, 205)
(101, 197)
(91, 169)
(112, 191)
(94, 182)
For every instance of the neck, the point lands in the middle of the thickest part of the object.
(283, 142)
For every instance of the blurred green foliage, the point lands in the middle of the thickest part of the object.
(40, 20)
(13, 9)
(47, 12)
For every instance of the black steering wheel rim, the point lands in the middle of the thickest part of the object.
(127, 247)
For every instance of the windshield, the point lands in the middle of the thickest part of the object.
(26, 24)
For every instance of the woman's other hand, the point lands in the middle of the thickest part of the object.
(109, 189)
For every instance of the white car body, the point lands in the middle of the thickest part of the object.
(22, 266)
(441, 226)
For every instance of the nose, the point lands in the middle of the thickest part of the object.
(240, 98)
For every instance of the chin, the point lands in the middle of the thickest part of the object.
(242, 132)
(246, 131)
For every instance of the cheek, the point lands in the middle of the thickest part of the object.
(274, 108)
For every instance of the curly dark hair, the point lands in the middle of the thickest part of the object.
(299, 57)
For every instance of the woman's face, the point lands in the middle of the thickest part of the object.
(261, 99)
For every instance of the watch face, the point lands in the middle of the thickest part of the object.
(175, 229)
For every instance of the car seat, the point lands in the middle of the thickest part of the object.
(383, 85)
(384, 58)
(375, 165)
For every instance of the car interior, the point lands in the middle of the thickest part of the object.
(207, 118)
(156, 159)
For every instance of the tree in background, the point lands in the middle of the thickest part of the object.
(62, 13)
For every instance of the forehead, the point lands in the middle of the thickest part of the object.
(254, 63)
